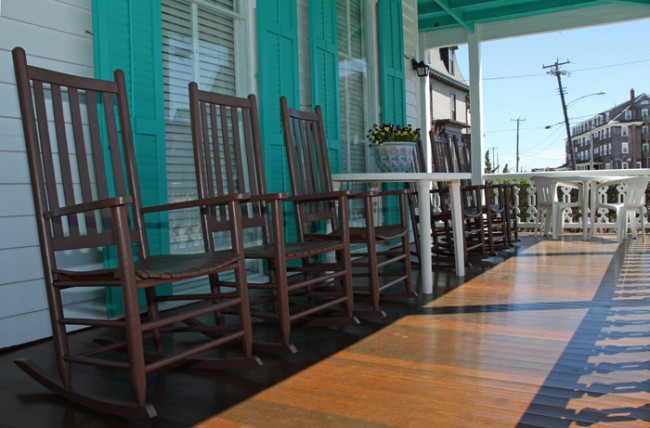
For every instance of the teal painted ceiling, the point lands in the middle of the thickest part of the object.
(465, 14)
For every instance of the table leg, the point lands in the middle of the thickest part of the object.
(426, 267)
(585, 209)
(593, 198)
(457, 221)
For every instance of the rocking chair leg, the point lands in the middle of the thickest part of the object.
(153, 315)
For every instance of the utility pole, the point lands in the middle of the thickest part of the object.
(555, 70)
(518, 120)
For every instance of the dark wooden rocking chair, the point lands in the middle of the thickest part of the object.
(309, 167)
(86, 195)
(472, 208)
(496, 209)
(228, 159)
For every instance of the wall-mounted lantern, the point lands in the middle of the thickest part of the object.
(420, 68)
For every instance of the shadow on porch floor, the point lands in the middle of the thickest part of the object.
(556, 336)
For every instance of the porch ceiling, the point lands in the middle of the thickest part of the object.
(435, 15)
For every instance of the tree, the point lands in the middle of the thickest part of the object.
(488, 163)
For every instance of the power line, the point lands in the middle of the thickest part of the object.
(580, 70)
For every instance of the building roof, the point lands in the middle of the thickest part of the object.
(615, 114)
(439, 68)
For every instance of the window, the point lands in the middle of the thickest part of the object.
(646, 147)
(624, 165)
(625, 148)
(200, 41)
(447, 57)
(644, 113)
(638, 164)
(353, 83)
(452, 105)
(628, 115)
(624, 132)
(644, 131)
(609, 148)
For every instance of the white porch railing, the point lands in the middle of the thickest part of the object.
(527, 203)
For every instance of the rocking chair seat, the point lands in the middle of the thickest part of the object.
(177, 266)
(382, 233)
(180, 266)
(295, 250)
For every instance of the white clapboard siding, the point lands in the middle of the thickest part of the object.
(17, 232)
(12, 131)
(56, 34)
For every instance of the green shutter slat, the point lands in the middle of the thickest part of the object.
(391, 58)
(277, 44)
(324, 61)
(392, 80)
(127, 35)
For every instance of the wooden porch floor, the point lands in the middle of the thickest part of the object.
(556, 336)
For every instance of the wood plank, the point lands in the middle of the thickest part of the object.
(522, 344)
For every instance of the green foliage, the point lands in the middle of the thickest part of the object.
(379, 134)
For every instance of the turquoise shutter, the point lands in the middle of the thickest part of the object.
(391, 61)
(277, 45)
(277, 76)
(127, 35)
(324, 52)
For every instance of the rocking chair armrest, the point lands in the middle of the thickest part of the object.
(267, 197)
(207, 202)
(89, 206)
(373, 194)
(319, 196)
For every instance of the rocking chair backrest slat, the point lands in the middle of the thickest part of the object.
(228, 157)
(461, 149)
(441, 153)
(71, 128)
(309, 162)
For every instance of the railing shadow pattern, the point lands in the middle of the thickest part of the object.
(609, 353)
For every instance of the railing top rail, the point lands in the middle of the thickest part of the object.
(572, 173)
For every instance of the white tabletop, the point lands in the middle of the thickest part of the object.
(423, 180)
(402, 176)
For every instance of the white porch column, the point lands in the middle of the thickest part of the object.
(425, 111)
(476, 104)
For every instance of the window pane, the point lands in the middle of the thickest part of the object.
(198, 45)
(352, 84)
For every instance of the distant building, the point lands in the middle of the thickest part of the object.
(614, 139)
(449, 94)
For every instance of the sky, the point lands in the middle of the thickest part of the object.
(612, 58)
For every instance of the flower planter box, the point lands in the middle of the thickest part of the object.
(396, 156)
